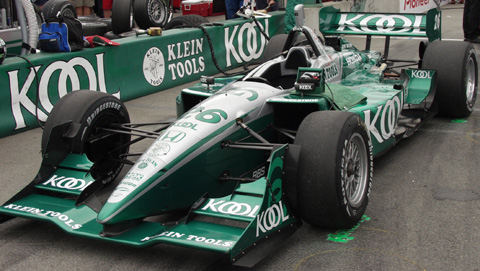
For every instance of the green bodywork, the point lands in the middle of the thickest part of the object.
(231, 187)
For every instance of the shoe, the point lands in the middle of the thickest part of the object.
(475, 40)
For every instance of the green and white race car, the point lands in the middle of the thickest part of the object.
(249, 157)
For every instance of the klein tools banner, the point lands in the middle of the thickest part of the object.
(140, 66)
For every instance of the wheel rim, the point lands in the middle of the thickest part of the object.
(156, 11)
(355, 170)
(471, 83)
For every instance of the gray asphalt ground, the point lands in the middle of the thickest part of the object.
(424, 209)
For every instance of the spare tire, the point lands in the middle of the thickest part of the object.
(121, 13)
(53, 7)
(150, 13)
(187, 20)
(91, 28)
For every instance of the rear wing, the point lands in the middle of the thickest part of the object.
(334, 22)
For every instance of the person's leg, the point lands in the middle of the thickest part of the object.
(231, 8)
(87, 7)
(471, 13)
(107, 8)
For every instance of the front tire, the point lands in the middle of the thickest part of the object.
(88, 111)
(457, 76)
(334, 169)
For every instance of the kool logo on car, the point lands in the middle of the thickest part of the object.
(68, 183)
(421, 74)
(385, 118)
(231, 208)
(271, 218)
(379, 23)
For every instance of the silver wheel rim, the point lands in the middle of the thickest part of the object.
(355, 170)
(471, 83)
(155, 11)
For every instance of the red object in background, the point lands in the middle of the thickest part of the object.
(177, 3)
(195, 8)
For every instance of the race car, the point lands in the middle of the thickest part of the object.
(250, 156)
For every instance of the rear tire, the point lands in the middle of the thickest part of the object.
(457, 76)
(88, 111)
(334, 169)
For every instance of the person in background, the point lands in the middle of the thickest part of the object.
(107, 8)
(471, 21)
(83, 7)
(272, 5)
(232, 6)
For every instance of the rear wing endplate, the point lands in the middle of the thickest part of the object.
(334, 22)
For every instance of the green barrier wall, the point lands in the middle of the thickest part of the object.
(139, 66)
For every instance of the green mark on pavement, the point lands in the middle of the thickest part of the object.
(459, 120)
(343, 236)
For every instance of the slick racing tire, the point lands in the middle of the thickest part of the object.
(121, 13)
(457, 76)
(91, 28)
(274, 47)
(186, 20)
(88, 111)
(150, 13)
(112, 36)
(52, 7)
(334, 169)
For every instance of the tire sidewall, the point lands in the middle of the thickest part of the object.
(52, 7)
(450, 60)
(162, 4)
(471, 54)
(321, 195)
(354, 214)
(142, 15)
(97, 105)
